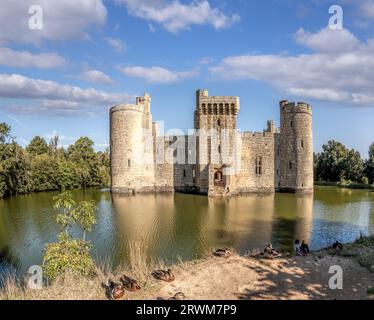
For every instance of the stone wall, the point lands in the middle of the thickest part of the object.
(268, 161)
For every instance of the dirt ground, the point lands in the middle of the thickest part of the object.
(248, 278)
(214, 278)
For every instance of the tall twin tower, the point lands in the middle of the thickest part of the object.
(216, 159)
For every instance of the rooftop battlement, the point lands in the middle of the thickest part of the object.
(139, 105)
(206, 104)
(287, 107)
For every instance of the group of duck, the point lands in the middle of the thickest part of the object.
(116, 290)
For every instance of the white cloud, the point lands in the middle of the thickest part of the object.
(339, 69)
(62, 20)
(175, 16)
(55, 98)
(158, 75)
(116, 44)
(328, 40)
(95, 76)
(24, 59)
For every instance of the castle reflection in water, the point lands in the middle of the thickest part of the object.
(190, 226)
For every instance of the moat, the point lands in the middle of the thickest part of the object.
(187, 226)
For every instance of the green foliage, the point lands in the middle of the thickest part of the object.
(369, 165)
(37, 146)
(336, 163)
(4, 132)
(84, 215)
(44, 167)
(70, 254)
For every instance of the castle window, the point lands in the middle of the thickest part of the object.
(184, 173)
(219, 149)
(129, 163)
(291, 124)
(233, 108)
(302, 143)
(258, 165)
(218, 177)
(221, 108)
(278, 152)
(218, 122)
(278, 172)
(290, 165)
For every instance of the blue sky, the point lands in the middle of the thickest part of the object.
(91, 54)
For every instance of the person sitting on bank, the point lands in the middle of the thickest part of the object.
(304, 248)
(270, 253)
(298, 250)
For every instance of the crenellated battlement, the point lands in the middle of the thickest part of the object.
(295, 107)
(216, 105)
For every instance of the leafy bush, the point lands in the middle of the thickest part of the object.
(68, 254)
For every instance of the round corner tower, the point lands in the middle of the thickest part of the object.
(296, 147)
(131, 147)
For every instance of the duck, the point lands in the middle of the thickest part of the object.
(223, 253)
(129, 283)
(115, 290)
(164, 275)
(178, 296)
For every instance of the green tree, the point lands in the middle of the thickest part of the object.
(37, 146)
(4, 132)
(88, 167)
(85, 215)
(68, 253)
(14, 173)
(44, 173)
(369, 165)
(336, 163)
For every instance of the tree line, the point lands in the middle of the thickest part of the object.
(44, 166)
(337, 163)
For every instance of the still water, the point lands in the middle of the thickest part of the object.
(187, 226)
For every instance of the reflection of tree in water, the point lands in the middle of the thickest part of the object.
(334, 196)
(371, 215)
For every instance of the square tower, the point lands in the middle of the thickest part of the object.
(216, 130)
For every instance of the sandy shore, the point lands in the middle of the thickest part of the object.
(249, 278)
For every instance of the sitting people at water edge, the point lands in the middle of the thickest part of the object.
(304, 248)
(298, 250)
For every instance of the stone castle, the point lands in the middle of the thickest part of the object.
(215, 158)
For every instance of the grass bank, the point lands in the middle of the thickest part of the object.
(351, 185)
(213, 278)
